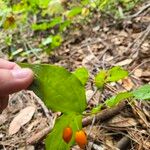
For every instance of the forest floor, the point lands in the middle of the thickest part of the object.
(101, 44)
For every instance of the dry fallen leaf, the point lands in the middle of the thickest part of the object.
(33, 124)
(141, 115)
(27, 147)
(89, 94)
(146, 75)
(146, 112)
(127, 84)
(1, 135)
(124, 62)
(138, 72)
(23, 117)
(136, 136)
(119, 121)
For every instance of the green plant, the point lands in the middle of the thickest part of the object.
(112, 75)
(54, 17)
(61, 91)
(115, 74)
(64, 91)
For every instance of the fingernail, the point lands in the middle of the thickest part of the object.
(20, 73)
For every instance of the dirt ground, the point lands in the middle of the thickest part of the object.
(101, 44)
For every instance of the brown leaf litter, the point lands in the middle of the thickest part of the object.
(100, 44)
(23, 119)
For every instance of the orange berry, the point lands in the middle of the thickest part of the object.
(81, 138)
(67, 134)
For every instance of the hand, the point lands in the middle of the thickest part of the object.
(12, 79)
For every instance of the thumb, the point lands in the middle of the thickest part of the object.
(14, 80)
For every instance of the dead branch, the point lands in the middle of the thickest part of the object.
(38, 136)
(138, 66)
(45, 109)
(147, 31)
(104, 115)
(138, 42)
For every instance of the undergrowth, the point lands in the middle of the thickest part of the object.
(52, 18)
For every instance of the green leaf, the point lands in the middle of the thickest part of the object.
(97, 109)
(47, 25)
(10, 22)
(40, 3)
(82, 74)
(54, 141)
(116, 73)
(103, 4)
(58, 88)
(41, 26)
(54, 7)
(20, 7)
(56, 41)
(100, 79)
(85, 2)
(74, 12)
(143, 92)
(64, 25)
(43, 3)
(55, 21)
(113, 101)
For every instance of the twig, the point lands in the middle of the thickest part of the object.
(140, 11)
(138, 41)
(141, 64)
(38, 136)
(104, 115)
(45, 109)
(111, 88)
(141, 40)
(147, 31)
